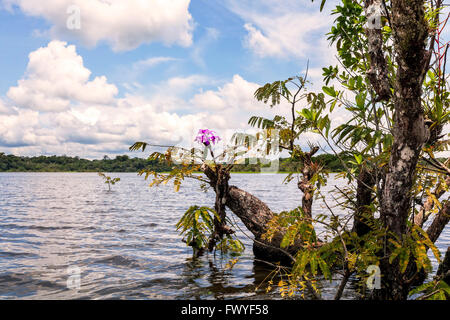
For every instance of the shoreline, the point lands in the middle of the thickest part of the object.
(163, 172)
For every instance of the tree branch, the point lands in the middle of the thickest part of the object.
(378, 72)
(439, 222)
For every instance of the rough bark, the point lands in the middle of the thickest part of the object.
(305, 185)
(444, 268)
(411, 31)
(221, 189)
(410, 34)
(439, 222)
(378, 72)
(366, 183)
(256, 215)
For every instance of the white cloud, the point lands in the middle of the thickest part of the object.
(56, 109)
(237, 95)
(170, 95)
(5, 109)
(151, 62)
(183, 84)
(56, 76)
(288, 30)
(18, 130)
(124, 24)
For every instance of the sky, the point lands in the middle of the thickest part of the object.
(91, 77)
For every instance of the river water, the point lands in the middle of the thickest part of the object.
(58, 230)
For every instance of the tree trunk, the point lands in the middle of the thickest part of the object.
(305, 185)
(444, 268)
(308, 192)
(439, 222)
(256, 216)
(366, 182)
(378, 72)
(221, 189)
(410, 33)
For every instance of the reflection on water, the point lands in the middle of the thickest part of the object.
(124, 242)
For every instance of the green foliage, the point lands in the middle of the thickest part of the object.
(294, 224)
(314, 115)
(437, 289)
(415, 247)
(275, 91)
(363, 141)
(315, 258)
(277, 122)
(230, 245)
(197, 226)
(347, 34)
(322, 4)
(289, 91)
(177, 174)
(123, 163)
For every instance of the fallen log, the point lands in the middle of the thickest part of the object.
(256, 215)
(444, 267)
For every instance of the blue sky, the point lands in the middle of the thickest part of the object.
(151, 70)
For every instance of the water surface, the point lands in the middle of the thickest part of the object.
(124, 242)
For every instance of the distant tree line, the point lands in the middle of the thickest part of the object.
(12, 163)
(123, 163)
(328, 161)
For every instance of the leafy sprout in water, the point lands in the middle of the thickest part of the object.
(108, 180)
(197, 226)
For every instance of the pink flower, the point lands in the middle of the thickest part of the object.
(207, 137)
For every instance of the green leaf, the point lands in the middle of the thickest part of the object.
(324, 268)
(329, 91)
(358, 158)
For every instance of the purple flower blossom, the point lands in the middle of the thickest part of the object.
(207, 137)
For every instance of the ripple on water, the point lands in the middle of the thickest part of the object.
(123, 242)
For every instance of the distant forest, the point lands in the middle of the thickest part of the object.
(12, 163)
